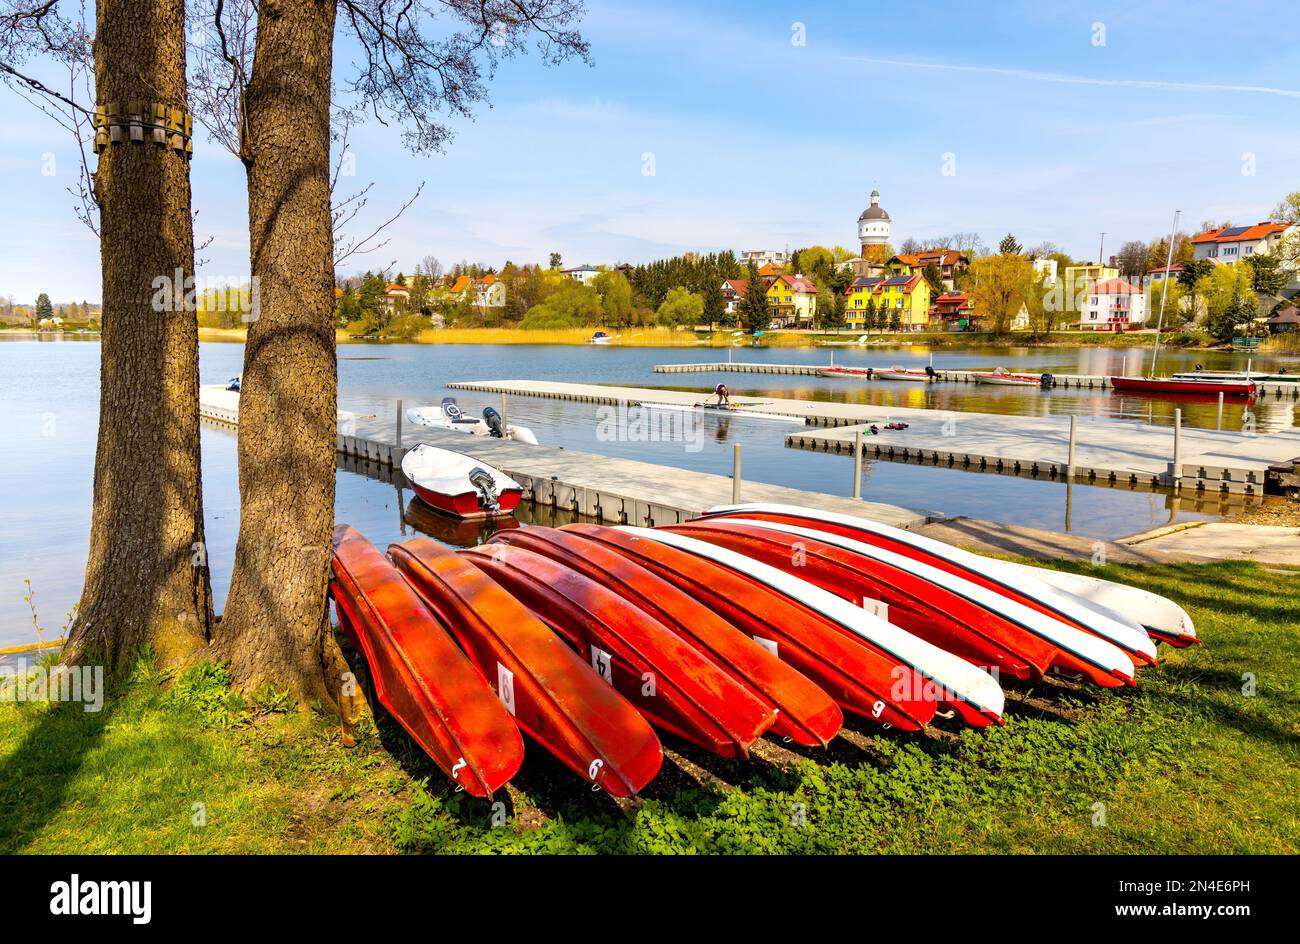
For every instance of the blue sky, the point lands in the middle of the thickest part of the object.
(759, 142)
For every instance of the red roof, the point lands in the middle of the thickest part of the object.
(739, 286)
(937, 257)
(394, 287)
(1116, 287)
(799, 283)
(1241, 233)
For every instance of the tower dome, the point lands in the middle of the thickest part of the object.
(873, 225)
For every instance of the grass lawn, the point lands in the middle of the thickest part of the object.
(1186, 762)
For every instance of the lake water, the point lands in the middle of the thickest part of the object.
(48, 409)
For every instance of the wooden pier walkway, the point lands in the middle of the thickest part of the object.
(618, 491)
(1108, 452)
(942, 375)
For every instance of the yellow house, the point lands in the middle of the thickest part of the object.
(899, 299)
(792, 299)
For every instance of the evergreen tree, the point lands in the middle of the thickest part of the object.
(1266, 274)
(43, 307)
(555, 260)
(714, 304)
(1009, 246)
(754, 315)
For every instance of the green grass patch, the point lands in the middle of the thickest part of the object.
(1186, 762)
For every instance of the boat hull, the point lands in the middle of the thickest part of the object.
(997, 576)
(657, 668)
(979, 625)
(1169, 385)
(803, 711)
(466, 504)
(552, 694)
(857, 676)
(419, 674)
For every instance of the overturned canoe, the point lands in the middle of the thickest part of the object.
(1001, 576)
(552, 694)
(956, 614)
(419, 674)
(860, 678)
(803, 711)
(972, 693)
(677, 687)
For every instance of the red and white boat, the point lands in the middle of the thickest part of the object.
(459, 485)
(1002, 377)
(1175, 385)
(903, 373)
(846, 373)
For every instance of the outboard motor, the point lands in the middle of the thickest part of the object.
(930, 371)
(1047, 380)
(233, 386)
(482, 480)
(493, 420)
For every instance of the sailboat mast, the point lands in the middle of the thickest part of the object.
(1164, 293)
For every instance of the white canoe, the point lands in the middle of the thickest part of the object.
(1117, 627)
(956, 677)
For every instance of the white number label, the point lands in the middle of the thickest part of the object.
(600, 661)
(768, 644)
(506, 687)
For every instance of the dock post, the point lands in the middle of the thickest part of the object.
(832, 357)
(505, 426)
(398, 437)
(1178, 448)
(728, 351)
(1069, 459)
(1220, 426)
(735, 474)
(857, 464)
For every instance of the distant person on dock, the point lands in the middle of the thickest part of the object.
(723, 395)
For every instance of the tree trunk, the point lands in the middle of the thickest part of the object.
(147, 576)
(275, 630)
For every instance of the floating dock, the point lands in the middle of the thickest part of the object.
(1108, 452)
(617, 491)
(942, 375)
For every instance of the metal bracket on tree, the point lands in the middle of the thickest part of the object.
(142, 122)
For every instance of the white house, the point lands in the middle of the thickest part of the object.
(1234, 243)
(582, 273)
(1113, 305)
(762, 257)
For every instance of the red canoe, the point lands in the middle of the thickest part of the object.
(952, 613)
(419, 675)
(672, 683)
(989, 573)
(1229, 388)
(857, 676)
(555, 698)
(805, 713)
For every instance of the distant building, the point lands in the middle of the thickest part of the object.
(583, 273)
(769, 273)
(1284, 319)
(873, 226)
(733, 293)
(955, 311)
(762, 257)
(1045, 269)
(904, 299)
(488, 292)
(949, 262)
(396, 297)
(1113, 305)
(792, 299)
(1234, 243)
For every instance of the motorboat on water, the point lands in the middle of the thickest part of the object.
(1000, 376)
(600, 337)
(923, 375)
(459, 485)
(449, 415)
(1172, 385)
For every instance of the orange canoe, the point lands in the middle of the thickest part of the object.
(419, 674)
(805, 713)
(553, 694)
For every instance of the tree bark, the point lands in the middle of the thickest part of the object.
(275, 629)
(146, 577)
